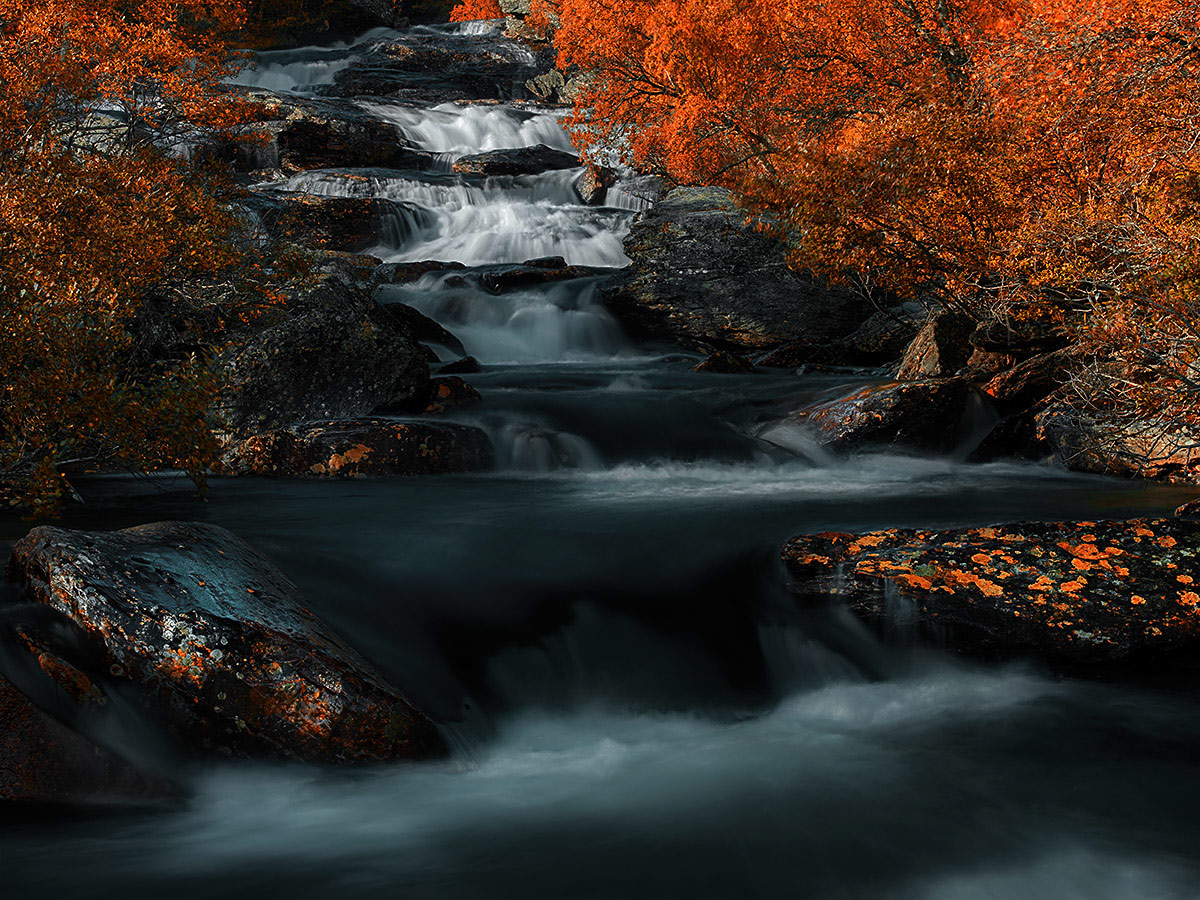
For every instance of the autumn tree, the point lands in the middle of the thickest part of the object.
(1015, 159)
(100, 103)
(471, 10)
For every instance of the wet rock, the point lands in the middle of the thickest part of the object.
(449, 392)
(1132, 448)
(1013, 437)
(1074, 594)
(926, 416)
(468, 365)
(361, 447)
(723, 362)
(336, 353)
(886, 333)
(425, 68)
(1029, 382)
(941, 348)
(302, 133)
(220, 644)
(402, 273)
(423, 328)
(702, 276)
(593, 186)
(518, 161)
(43, 761)
(1189, 510)
(350, 224)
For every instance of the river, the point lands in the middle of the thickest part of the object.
(636, 708)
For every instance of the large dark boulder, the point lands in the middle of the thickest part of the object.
(425, 68)
(301, 133)
(925, 416)
(702, 276)
(44, 762)
(1130, 447)
(362, 447)
(941, 348)
(335, 354)
(519, 161)
(348, 224)
(1073, 594)
(219, 645)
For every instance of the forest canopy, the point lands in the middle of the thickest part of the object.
(1012, 159)
(100, 103)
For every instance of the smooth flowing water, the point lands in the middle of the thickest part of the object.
(636, 706)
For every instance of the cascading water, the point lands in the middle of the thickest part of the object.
(637, 707)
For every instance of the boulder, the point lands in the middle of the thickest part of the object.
(468, 365)
(427, 68)
(723, 362)
(448, 393)
(348, 224)
(518, 161)
(1131, 448)
(558, 86)
(351, 448)
(44, 762)
(702, 276)
(302, 133)
(1073, 594)
(881, 339)
(886, 334)
(219, 644)
(941, 348)
(924, 416)
(336, 353)
(593, 186)
(402, 273)
(1030, 382)
(423, 328)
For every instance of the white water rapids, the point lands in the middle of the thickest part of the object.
(637, 707)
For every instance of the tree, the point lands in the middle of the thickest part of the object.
(470, 10)
(1015, 158)
(99, 102)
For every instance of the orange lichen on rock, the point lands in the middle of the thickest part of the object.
(1049, 582)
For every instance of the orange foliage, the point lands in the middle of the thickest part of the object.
(996, 154)
(470, 10)
(98, 101)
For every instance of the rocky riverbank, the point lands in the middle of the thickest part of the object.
(452, 232)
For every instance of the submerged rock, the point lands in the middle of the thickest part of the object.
(43, 761)
(220, 643)
(925, 416)
(702, 276)
(361, 447)
(518, 161)
(1073, 594)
